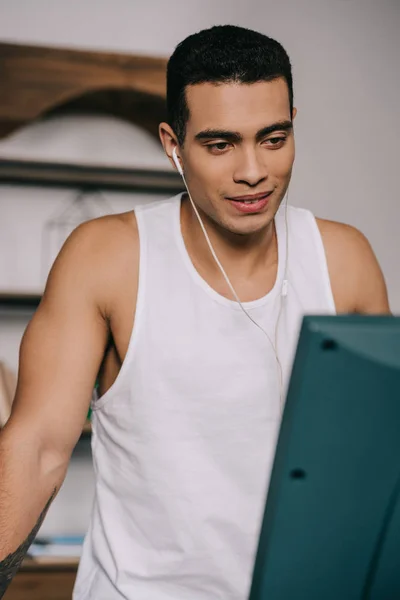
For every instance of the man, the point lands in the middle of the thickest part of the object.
(185, 428)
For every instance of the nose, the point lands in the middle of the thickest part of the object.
(250, 169)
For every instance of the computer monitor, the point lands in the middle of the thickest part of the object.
(331, 527)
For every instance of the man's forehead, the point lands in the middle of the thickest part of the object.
(232, 104)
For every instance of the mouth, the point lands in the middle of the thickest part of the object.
(251, 203)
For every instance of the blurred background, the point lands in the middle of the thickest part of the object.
(345, 56)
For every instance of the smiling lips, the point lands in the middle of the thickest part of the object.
(249, 197)
(251, 203)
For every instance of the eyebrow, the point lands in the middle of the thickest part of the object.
(236, 137)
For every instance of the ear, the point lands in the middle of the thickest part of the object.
(168, 140)
(294, 113)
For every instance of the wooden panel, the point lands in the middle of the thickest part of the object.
(42, 585)
(35, 80)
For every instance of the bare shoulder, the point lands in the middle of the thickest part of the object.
(342, 239)
(64, 344)
(110, 233)
(356, 277)
(98, 255)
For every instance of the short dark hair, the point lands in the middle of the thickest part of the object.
(224, 53)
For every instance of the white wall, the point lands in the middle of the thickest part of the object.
(345, 57)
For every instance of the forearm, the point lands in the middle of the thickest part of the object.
(28, 484)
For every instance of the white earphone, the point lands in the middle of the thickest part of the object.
(284, 289)
(177, 163)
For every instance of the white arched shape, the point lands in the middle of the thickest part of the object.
(85, 139)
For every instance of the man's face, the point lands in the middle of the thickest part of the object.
(239, 143)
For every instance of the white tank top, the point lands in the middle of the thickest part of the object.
(183, 441)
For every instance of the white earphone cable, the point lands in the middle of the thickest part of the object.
(284, 283)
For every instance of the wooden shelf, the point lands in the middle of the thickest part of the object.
(46, 563)
(16, 301)
(22, 172)
(43, 581)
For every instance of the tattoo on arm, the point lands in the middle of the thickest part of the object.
(10, 565)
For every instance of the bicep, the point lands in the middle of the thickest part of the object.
(60, 356)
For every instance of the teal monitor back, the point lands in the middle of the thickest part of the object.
(331, 527)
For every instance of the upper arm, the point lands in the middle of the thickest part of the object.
(62, 348)
(357, 280)
(371, 296)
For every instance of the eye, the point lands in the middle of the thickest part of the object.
(276, 142)
(218, 147)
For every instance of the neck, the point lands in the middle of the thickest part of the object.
(244, 255)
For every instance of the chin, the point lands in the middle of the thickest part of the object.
(248, 225)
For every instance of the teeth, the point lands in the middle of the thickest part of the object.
(250, 201)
